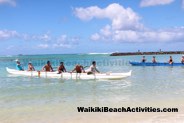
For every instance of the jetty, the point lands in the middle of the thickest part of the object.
(146, 53)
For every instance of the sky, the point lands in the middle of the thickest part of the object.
(90, 26)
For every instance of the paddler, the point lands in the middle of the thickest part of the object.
(182, 59)
(170, 60)
(30, 67)
(143, 59)
(79, 69)
(61, 68)
(154, 59)
(48, 67)
(18, 65)
(93, 69)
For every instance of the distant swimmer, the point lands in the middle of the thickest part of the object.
(48, 67)
(30, 67)
(170, 60)
(93, 69)
(154, 59)
(182, 59)
(19, 66)
(61, 68)
(143, 59)
(78, 69)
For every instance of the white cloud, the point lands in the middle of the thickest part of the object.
(10, 47)
(121, 18)
(7, 34)
(167, 35)
(43, 46)
(126, 26)
(43, 37)
(95, 37)
(9, 2)
(64, 41)
(61, 46)
(146, 3)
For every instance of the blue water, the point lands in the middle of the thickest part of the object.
(147, 85)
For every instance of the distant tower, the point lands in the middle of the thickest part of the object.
(160, 50)
(138, 50)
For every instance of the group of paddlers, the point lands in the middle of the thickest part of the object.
(170, 59)
(61, 68)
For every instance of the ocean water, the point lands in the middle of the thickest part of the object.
(30, 99)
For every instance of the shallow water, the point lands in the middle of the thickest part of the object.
(148, 86)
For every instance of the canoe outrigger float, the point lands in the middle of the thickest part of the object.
(155, 64)
(70, 75)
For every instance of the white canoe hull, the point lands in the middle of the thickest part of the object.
(69, 75)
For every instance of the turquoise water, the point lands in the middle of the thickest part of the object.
(148, 86)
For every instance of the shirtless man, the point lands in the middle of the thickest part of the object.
(79, 69)
(48, 67)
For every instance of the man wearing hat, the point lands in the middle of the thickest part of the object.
(18, 66)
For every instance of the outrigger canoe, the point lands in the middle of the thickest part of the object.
(67, 75)
(155, 64)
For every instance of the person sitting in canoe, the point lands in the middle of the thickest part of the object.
(154, 59)
(92, 69)
(61, 68)
(182, 59)
(19, 66)
(48, 67)
(170, 60)
(143, 59)
(79, 69)
(30, 67)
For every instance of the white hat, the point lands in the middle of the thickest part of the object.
(16, 60)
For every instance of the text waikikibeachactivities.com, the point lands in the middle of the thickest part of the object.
(125, 109)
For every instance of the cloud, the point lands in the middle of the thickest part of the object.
(7, 34)
(10, 47)
(146, 3)
(166, 35)
(43, 46)
(46, 40)
(43, 37)
(183, 4)
(63, 41)
(124, 36)
(125, 19)
(126, 25)
(9, 2)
